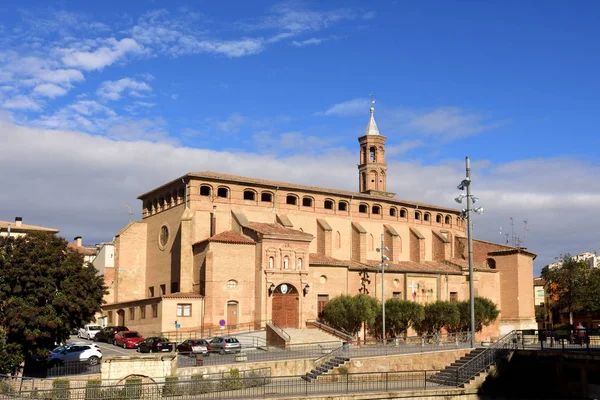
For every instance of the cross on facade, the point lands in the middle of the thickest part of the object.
(413, 287)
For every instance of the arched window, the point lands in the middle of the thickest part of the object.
(393, 212)
(438, 218)
(328, 204)
(222, 192)
(161, 202)
(286, 262)
(342, 206)
(417, 215)
(427, 217)
(363, 158)
(373, 154)
(148, 207)
(403, 213)
(271, 262)
(363, 208)
(448, 220)
(338, 240)
(376, 210)
(291, 199)
(457, 221)
(249, 195)
(204, 190)
(299, 263)
(491, 263)
(181, 193)
(169, 199)
(363, 176)
(307, 202)
(266, 197)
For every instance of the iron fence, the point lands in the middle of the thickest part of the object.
(227, 330)
(232, 387)
(44, 370)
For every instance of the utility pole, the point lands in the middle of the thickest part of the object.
(384, 258)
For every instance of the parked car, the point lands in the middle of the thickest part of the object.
(155, 344)
(74, 331)
(107, 334)
(224, 345)
(128, 339)
(194, 346)
(89, 332)
(76, 353)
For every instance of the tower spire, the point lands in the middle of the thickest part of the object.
(372, 126)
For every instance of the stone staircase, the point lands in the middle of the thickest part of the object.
(325, 367)
(299, 336)
(447, 376)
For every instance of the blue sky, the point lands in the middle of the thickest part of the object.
(513, 84)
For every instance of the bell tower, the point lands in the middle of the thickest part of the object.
(372, 169)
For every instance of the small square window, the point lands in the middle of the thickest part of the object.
(154, 310)
(184, 310)
(163, 290)
(143, 312)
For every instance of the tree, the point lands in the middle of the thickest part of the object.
(566, 285)
(44, 292)
(486, 312)
(438, 315)
(400, 315)
(347, 313)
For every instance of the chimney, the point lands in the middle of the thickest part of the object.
(18, 222)
(77, 241)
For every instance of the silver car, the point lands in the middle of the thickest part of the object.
(223, 345)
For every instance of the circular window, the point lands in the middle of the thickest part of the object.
(396, 282)
(163, 237)
(231, 284)
(323, 279)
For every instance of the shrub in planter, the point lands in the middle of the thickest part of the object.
(61, 389)
(232, 381)
(199, 385)
(93, 389)
(132, 389)
(171, 387)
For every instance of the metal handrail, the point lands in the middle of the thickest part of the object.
(485, 359)
(280, 330)
(329, 329)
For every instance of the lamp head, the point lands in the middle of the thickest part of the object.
(378, 249)
(459, 198)
(474, 199)
(385, 258)
(479, 210)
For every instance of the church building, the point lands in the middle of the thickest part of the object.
(215, 249)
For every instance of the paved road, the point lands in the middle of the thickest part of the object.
(107, 349)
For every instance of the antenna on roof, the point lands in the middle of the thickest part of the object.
(128, 208)
(512, 231)
(526, 229)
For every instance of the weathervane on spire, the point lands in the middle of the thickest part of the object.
(372, 103)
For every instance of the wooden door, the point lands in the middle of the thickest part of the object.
(232, 313)
(285, 310)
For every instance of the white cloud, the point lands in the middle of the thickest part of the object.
(232, 124)
(403, 147)
(21, 102)
(116, 171)
(452, 122)
(112, 90)
(105, 53)
(311, 41)
(49, 90)
(347, 108)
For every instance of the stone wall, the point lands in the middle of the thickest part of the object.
(406, 362)
(116, 368)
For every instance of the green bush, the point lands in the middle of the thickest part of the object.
(255, 379)
(93, 389)
(438, 315)
(5, 386)
(199, 385)
(171, 387)
(132, 389)
(343, 370)
(61, 389)
(232, 380)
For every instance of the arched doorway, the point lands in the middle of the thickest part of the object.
(121, 317)
(285, 306)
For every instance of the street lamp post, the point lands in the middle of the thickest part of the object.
(466, 184)
(384, 258)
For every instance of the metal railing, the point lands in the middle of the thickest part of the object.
(485, 359)
(280, 331)
(180, 336)
(232, 387)
(347, 337)
(44, 370)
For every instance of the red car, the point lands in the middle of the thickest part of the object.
(128, 339)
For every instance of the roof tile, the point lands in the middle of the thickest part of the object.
(266, 228)
(229, 237)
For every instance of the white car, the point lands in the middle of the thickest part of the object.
(76, 353)
(89, 332)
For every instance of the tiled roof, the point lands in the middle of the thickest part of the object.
(86, 251)
(506, 249)
(266, 228)
(230, 237)
(292, 186)
(25, 227)
(539, 281)
(464, 264)
(321, 259)
(189, 295)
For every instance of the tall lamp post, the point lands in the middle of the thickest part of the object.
(466, 213)
(384, 258)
